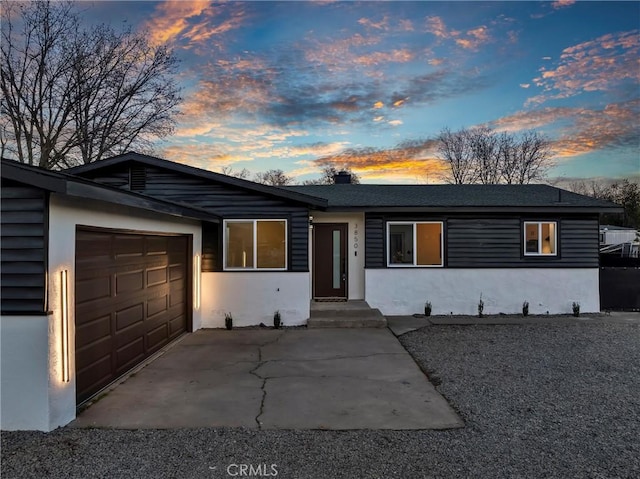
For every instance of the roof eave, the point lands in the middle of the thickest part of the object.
(43, 180)
(305, 199)
(477, 209)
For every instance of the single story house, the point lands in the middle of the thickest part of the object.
(105, 264)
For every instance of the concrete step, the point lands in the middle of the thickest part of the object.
(361, 318)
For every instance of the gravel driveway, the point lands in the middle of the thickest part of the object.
(545, 400)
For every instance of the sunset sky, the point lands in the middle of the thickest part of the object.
(294, 85)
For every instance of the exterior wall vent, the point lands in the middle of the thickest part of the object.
(137, 178)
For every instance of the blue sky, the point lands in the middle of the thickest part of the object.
(296, 85)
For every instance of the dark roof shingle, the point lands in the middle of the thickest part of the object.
(449, 196)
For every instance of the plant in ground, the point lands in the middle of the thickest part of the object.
(277, 320)
(525, 308)
(480, 307)
(427, 308)
(228, 321)
(576, 309)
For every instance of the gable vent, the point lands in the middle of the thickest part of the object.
(137, 178)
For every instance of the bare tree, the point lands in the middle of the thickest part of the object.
(453, 148)
(243, 174)
(626, 193)
(485, 154)
(480, 155)
(533, 157)
(273, 178)
(74, 95)
(329, 173)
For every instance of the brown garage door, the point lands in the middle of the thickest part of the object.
(131, 300)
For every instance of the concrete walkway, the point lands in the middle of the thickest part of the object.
(277, 379)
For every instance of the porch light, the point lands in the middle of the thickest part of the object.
(64, 297)
(197, 269)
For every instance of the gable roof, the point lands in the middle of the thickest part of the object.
(65, 184)
(133, 157)
(398, 198)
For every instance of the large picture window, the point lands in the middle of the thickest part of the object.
(414, 244)
(540, 238)
(255, 244)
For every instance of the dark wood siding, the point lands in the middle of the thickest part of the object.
(223, 200)
(484, 242)
(374, 242)
(579, 240)
(211, 247)
(473, 241)
(24, 248)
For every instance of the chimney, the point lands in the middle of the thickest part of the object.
(342, 178)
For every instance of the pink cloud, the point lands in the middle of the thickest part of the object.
(562, 4)
(194, 22)
(597, 65)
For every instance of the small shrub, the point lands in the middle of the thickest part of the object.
(228, 321)
(427, 308)
(480, 308)
(525, 308)
(277, 319)
(576, 309)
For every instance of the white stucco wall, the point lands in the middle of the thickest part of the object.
(24, 373)
(451, 290)
(355, 248)
(33, 394)
(253, 297)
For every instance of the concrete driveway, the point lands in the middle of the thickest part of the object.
(277, 379)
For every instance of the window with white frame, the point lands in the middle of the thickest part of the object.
(540, 238)
(414, 244)
(255, 244)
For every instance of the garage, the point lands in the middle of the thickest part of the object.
(131, 299)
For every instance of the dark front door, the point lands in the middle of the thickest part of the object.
(330, 260)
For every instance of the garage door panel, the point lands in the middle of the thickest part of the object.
(156, 276)
(94, 330)
(130, 302)
(97, 245)
(158, 337)
(176, 272)
(129, 355)
(128, 245)
(157, 245)
(94, 377)
(156, 307)
(130, 281)
(177, 325)
(94, 288)
(127, 317)
(93, 352)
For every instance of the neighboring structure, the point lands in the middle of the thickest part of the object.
(105, 264)
(613, 235)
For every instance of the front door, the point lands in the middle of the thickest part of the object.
(330, 260)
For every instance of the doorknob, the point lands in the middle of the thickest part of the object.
(344, 277)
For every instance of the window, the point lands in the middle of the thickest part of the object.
(540, 238)
(414, 244)
(255, 244)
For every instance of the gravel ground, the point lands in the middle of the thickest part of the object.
(546, 400)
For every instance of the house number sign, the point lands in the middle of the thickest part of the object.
(355, 236)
